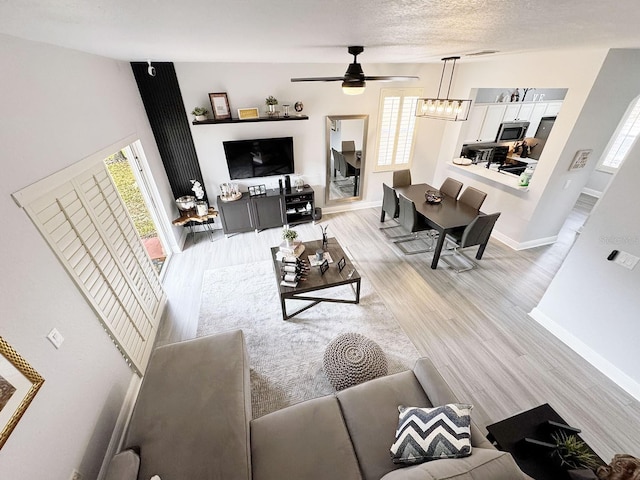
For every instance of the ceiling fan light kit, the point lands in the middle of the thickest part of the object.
(354, 80)
(456, 110)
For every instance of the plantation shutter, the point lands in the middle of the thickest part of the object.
(396, 128)
(625, 138)
(86, 224)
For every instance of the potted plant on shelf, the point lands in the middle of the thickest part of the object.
(271, 102)
(289, 236)
(200, 113)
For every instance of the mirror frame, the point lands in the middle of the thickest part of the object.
(365, 131)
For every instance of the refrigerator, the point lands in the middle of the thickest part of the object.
(546, 123)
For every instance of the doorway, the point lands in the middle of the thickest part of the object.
(126, 170)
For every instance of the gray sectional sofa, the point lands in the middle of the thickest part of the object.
(192, 421)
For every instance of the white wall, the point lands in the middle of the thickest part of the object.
(247, 85)
(577, 70)
(592, 303)
(58, 107)
(597, 183)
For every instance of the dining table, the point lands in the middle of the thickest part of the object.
(353, 160)
(444, 217)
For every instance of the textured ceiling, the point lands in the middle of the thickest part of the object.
(302, 31)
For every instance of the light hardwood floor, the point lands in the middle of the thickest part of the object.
(473, 325)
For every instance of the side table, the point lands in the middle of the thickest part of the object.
(536, 425)
(190, 218)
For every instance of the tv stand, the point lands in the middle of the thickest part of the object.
(273, 209)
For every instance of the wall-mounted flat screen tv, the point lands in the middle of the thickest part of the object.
(259, 157)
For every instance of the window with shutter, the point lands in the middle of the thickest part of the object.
(396, 128)
(622, 141)
(86, 224)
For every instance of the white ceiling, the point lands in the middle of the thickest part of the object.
(309, 31)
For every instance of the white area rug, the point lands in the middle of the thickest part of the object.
(286, 356)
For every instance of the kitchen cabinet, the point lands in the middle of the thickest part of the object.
(484, 121)
(553, 108)
(518, 112)
(534, 121)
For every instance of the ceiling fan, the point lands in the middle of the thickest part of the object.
(354, 80)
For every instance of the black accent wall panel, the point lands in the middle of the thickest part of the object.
(170, 125)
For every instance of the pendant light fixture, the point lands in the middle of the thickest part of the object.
(447, 108)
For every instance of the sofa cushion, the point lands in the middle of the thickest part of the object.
(370, 411)
(482, 464)
(305, 441)
(425, 434)
(124, 466)
(191, 418)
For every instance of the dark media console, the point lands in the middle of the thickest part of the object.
(273, 209)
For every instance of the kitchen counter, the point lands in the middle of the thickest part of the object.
(527, 160)
(507, 179)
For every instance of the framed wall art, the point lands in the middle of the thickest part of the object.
(580, 159)
(220, 106)
(19, 383)
(248, 113)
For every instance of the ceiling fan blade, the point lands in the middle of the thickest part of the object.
(391, 78)
(318, 79)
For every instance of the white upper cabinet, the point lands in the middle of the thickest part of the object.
(536, 115)
(553, 108)
(484, 121)
(518, 112)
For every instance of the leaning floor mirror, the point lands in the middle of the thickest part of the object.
(346, 139)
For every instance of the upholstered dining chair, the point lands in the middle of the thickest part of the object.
(390, 207)
(411, 226)
(450, 187)
(473, 197)
(476, 233)
(401, 178)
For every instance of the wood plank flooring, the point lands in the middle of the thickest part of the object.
(474, 325)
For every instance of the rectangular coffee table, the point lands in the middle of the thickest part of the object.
(315, 282)
(534, 460)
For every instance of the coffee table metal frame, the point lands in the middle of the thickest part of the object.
(315, 282)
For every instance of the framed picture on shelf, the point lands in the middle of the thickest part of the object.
(341, 264)
(257, 190)
(248, 113)
(220, 106)
(19, 383)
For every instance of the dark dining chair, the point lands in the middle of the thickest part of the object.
(401, 178)
(473, 197)
(390, 207)
(450, 187)
(476, 233)
(411, 225)
(348, 146)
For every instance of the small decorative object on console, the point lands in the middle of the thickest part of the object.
(324, 236)
(248, 113)
(186, 202)
(433, 196)
(229, 192)
(298, 106)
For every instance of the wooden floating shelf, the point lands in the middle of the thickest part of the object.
(252, 120)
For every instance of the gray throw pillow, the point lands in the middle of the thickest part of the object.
(425, 434)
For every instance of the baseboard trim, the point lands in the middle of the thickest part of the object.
(591, 192)
(539, 242)
(122, 423)
(351, 206)
(598, 361)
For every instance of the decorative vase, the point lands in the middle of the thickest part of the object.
(201, 118)
(202, 208)
(271, 110)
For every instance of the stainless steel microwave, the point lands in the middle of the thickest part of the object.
(512, 131)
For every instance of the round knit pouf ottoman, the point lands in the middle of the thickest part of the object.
(351, 359)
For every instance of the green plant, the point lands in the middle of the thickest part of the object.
(289, 235)
(271, 100)
(572, 452)
(199, 111)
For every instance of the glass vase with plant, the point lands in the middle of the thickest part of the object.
(271, 102)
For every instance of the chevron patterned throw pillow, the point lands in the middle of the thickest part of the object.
(430, 433)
